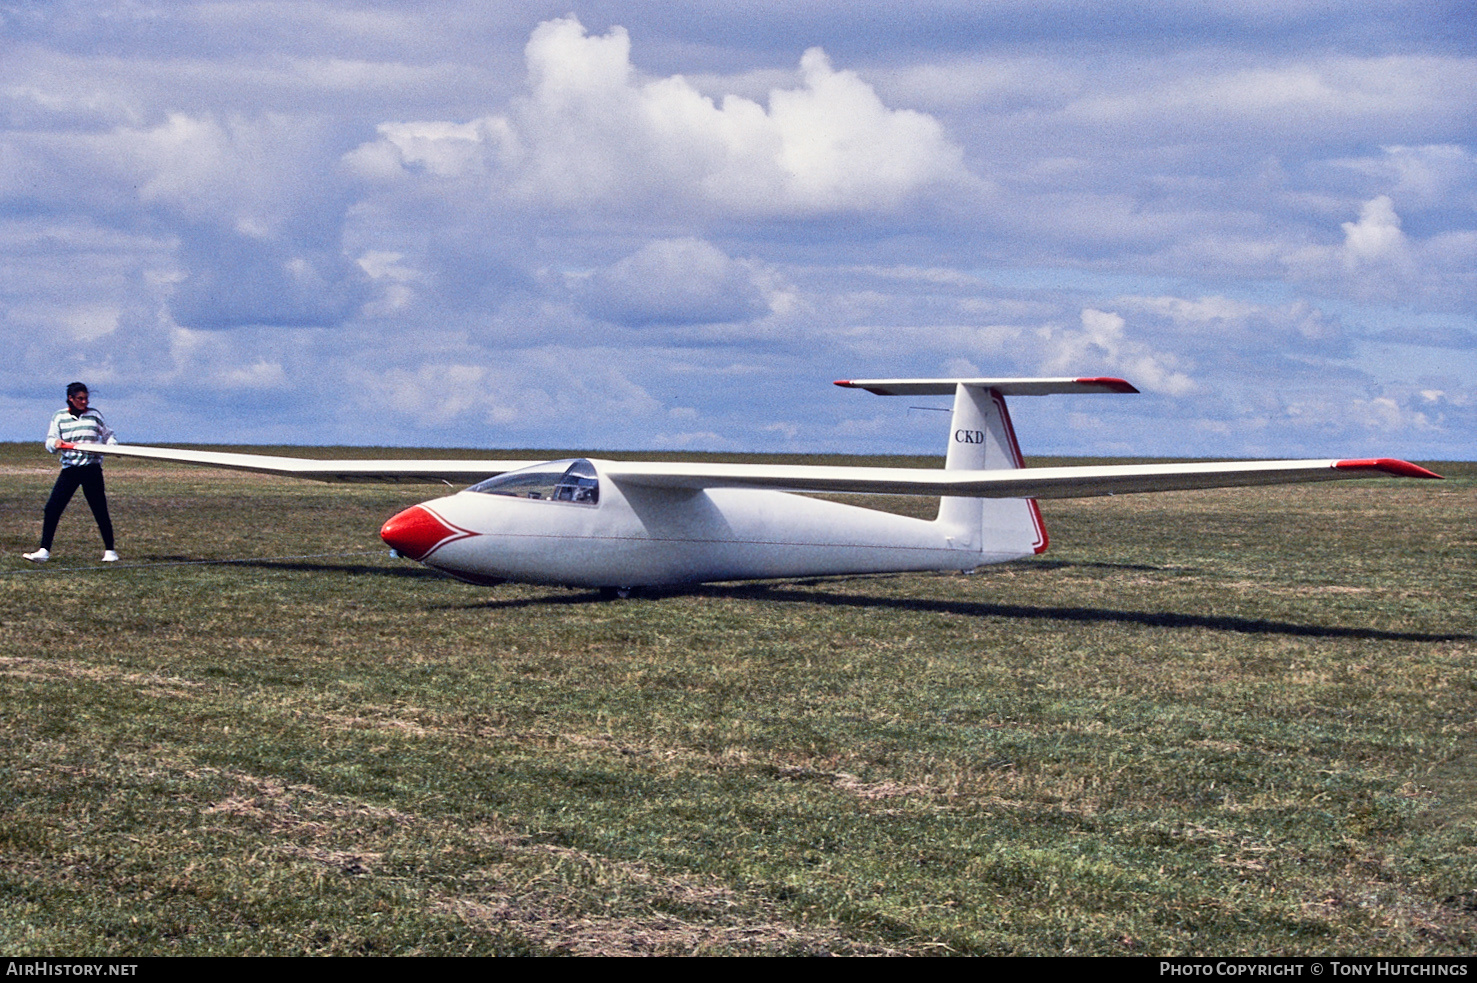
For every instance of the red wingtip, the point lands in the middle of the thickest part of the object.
(1109, 383)
(65, 445)
(1389, 465)
(842, 382)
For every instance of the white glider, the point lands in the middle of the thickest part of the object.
(623, 524)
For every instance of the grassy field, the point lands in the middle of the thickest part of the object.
(1210, 722)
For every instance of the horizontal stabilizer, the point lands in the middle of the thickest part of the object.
(1006, 387)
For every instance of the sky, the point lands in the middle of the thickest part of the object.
(671, 226)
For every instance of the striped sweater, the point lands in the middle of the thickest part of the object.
(87, 428)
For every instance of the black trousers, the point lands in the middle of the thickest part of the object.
(90, 477)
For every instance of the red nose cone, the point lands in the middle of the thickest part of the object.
(418, 532)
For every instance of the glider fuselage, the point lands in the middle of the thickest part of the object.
(637, 536)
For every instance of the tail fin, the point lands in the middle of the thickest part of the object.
(981, 438)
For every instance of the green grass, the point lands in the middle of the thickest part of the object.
(1213, 722)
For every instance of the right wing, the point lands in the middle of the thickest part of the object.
(381, 471)
(1068, 482)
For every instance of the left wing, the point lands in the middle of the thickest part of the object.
(1070, 482)
(381, 471)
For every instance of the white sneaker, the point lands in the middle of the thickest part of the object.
(40, 556)
(109, 556)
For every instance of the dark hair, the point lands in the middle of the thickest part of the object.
(73, 388)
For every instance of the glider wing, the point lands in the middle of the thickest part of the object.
(368, 471)
(1069, 482)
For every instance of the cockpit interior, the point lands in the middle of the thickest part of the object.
(572, 480)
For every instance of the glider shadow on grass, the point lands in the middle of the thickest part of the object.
(401, 571)
(797, 592)
(1084, 615)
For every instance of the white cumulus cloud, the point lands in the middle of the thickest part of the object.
(593, 131)
(1378, 261)
(1376, 237)
(674, 281)
(1103, 342)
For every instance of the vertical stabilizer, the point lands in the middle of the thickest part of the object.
(981, 438)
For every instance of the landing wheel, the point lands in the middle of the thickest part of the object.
(611, 593)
